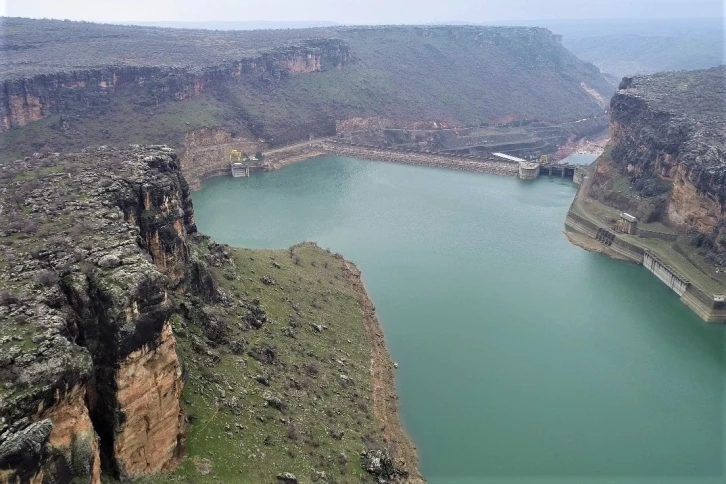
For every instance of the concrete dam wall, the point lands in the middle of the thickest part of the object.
(709, 307)
(671, 278)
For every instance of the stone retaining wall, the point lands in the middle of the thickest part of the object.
(665, 273)
(703, 304)
(439, 160)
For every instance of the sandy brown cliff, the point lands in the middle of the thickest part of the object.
(667, 161)
(66, 85)
(24, 100)
(91, 378)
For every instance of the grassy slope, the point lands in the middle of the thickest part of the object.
(401, 73)
(254, 442)
(407, 76)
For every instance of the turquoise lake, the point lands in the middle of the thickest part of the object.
(522, 358)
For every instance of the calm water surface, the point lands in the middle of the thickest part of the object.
(523, 359)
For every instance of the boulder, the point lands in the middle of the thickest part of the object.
(287, 478)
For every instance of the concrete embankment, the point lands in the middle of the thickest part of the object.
(600, 238)
(278, 158)
(438, 160)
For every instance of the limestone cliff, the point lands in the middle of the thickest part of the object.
(24, 100)
(668, 150)
(96, 247)
(66, 85)
(111, 303)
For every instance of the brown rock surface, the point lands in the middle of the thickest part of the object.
(149, 386)
(86, 304)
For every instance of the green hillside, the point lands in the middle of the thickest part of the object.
(172, 81)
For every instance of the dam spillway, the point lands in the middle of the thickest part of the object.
(671, 278)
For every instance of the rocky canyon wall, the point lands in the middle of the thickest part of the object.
(24, 100)
(669, 141)
(90, 373)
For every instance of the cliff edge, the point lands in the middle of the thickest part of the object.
(94, 244)
(134, 347)
(667, 158)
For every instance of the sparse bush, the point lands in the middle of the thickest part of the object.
(46, 277)
(292, 431)
(7, 298)
(30, 227)
(312, 369)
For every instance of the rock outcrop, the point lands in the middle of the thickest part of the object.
(96, 246)
(274, 88)
(669, 144)
(24, 100)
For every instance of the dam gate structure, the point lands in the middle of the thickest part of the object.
(666, 274)
(239, 170)
(529, 170)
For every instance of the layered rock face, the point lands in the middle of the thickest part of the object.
(669, 139)
(280, 87)
(24, 100)
(97, 247)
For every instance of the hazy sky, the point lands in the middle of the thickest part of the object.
(358, 11)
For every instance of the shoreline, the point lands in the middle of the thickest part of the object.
(584, 230)
(591, 245)
(383, 376)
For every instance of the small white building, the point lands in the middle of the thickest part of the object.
(627, 224)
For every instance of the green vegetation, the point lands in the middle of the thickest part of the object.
(455, 75)
(450, 75)
(121, 123)
(293, 395)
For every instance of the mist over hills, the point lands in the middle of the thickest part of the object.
(238, 24)
(626, 47)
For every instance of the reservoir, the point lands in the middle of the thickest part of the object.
(522, 358)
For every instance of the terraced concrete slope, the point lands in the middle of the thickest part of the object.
(70, 84)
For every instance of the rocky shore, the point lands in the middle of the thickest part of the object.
(437, 160)
(385, 400)
(282, 157)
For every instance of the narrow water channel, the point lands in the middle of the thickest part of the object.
(522, 359)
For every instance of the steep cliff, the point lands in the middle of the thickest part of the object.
(67, 85)
(667, 160)
(24, 100)
(95, 243)
(130, 343)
